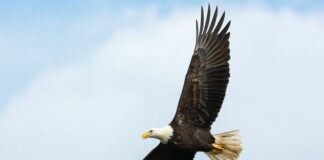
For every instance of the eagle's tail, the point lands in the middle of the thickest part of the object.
(229, 146)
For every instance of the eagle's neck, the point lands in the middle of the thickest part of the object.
(164, 134)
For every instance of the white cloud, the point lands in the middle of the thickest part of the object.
(97, 109)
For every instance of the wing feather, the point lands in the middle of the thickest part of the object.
(208, 74)
(165, 152)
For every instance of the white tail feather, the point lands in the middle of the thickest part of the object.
(231, 143)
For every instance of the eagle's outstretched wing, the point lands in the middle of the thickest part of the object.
(208, 74)
(164, 152)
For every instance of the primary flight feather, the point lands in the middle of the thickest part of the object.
(201, 99)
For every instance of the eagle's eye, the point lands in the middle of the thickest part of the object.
(150, 131)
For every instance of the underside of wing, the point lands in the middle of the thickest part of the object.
(208, 74)
(165, 152)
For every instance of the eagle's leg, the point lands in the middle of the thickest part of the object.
(218, 147)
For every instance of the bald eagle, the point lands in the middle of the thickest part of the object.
(200, 101)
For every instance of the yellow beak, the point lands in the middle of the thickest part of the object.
(146, 135)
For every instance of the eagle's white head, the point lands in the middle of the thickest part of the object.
(163, 134)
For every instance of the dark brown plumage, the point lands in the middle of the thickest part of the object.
(202, 94)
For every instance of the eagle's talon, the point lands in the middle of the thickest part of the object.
(218, 148)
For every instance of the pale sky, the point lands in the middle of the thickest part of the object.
(84, 80)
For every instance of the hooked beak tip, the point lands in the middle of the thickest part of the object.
(145, 135)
